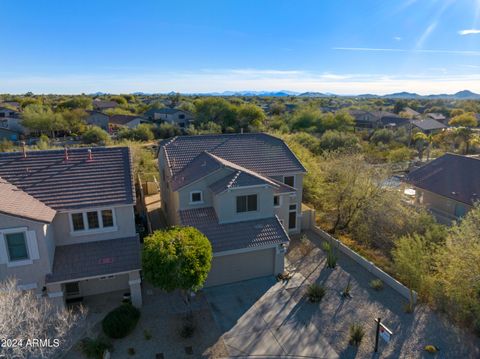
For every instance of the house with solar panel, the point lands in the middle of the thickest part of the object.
(67, 226)
(243, 191)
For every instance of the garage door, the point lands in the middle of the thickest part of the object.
(237, 267)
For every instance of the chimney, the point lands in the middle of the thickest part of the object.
(24, 149)
(90, 156)
(241, 130)
(66, 153)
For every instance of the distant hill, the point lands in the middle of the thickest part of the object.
(403, 95)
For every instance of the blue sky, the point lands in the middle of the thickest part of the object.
(337, 46)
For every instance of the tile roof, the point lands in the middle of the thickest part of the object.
(83, 260)
(75, 183)
(123, 119)
(428, 124)
(234, 180)
(258, 152)
(238, 235)
(451, 176)
(17, 203)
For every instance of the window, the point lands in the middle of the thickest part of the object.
(289, 181)
(276, 201)
(181, 117)
(292, 207)
(4, 123)
(196, 197)
(247, 203)
(107, 218)
(92, 218)
(17, 246)
(77, 221)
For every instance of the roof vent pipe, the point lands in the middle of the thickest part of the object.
(90, 156)
(66, 153)
(241, 130)
(24, 149)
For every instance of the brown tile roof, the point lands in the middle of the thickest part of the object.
(17, 203)
(452, 176)
(238, 235)
(123, 119)
(74, 183)
(259, 152)
(101, 258)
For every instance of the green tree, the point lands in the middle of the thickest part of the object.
(216, 110)
(457, 277)
(412, 257)
(77, 102)
(339, 141)
(464, 124)
(95, 135)
(40, 118)
(143, 132)
(250, 116)
(177, 258)
(306, 119)
(75, 120)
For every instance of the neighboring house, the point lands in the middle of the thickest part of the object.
(377, 119)
(101, 105)
(129, 121)
(170, 115)
(99, 119)
(437, 117)
(6, 133)
(11, 124)
(7, 112)
(411, 113)
(448, 186)
(428, 126)
(243, 191)
(67, 225)
(14, 104)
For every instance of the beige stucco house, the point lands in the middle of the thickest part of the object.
(243, 191)
(448, 186)
(174, 116)
(67, 226)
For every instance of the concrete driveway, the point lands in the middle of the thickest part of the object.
(258, 320)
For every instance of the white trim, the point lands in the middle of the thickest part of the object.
(92, 277)
(247, 187)
(100, 229)
(191, 202)
(243, 250)
(279, 200)
(55, 294)
(5, 258)
(134, 281)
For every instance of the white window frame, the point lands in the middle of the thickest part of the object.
(196, 202)
(100, 229)
(279, 201)
(30, 251)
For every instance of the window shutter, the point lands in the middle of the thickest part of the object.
(3, 250)
(32, 245)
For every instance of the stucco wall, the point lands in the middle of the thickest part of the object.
(226, 204)
(35, 272)
(439, 203)
(98, 286)
(125, 224)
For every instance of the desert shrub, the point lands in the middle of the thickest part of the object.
(95, 135)
(376, 284)
(356, 334)
(121, 321)
(315, 293)
(94, 348)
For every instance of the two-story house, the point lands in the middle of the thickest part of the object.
(67, 226)
(448, 186)
(243, 191)
(170, 115)
(10, 124)
(99, 119)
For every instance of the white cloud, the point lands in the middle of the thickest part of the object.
(469, 32)
(426, 34)
(397, 38)
(428, 51)
(242, 79)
